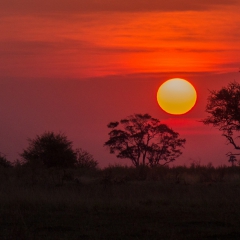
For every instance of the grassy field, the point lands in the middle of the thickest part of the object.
(120, 203)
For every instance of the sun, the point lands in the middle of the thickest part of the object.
(176, 96)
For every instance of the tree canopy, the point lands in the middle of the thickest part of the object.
(223, 107)
(51, 150)
(144, 140)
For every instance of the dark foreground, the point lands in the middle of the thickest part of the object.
(170, 207)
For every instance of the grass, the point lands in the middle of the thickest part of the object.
(121, 203)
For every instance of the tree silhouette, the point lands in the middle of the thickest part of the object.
(144, 140)
(223, 107)
(51, 150)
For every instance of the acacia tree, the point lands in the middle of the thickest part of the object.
(144, 140)
(223, 107)
(50, 150)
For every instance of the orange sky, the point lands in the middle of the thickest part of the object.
(76, 39)
(78, 65)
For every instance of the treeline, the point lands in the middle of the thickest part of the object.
(40, 176)
(50, 161)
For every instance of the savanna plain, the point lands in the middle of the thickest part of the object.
(119, 202)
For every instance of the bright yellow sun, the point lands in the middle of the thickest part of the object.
(176, 96)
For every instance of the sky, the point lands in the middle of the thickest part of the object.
(74, 66)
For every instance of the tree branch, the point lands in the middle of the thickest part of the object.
(230, 139)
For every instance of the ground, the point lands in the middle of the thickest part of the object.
(170, 207)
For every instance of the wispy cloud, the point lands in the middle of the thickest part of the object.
(82, 39)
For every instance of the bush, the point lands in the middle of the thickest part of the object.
(4, 162)
(85, 159)
(51, 150)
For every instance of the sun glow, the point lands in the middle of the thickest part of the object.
(176, 96)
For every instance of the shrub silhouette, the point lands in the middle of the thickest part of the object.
(4, 162)
(84, 159)
(50, 150)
